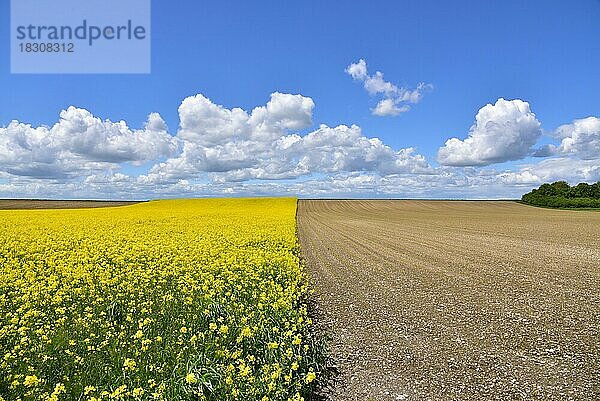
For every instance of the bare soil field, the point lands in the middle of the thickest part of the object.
(10, 204)
(436, 300)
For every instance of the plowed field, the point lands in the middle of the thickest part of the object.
(456, 300)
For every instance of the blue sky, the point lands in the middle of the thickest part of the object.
(236, 54)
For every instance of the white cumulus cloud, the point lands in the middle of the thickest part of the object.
(80, 142)
(504, 131)
(234, 145)
(396, 100)
(581, 138)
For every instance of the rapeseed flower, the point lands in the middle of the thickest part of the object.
(120, 303)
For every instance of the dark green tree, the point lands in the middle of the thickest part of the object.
(560, 195)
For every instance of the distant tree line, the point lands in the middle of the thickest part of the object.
(560, 194)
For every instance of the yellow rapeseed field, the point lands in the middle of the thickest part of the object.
(165, 300)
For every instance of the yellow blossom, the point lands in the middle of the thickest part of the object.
(310, 376)
(31, 381)
(191, 378)
(129, 364)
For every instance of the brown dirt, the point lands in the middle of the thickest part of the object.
(436, 300)
(11, 204)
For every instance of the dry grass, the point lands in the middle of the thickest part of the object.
(10, 204)
(457, 300)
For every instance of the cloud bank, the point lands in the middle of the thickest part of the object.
(234, 145)
(218, 150)
(80, 143)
